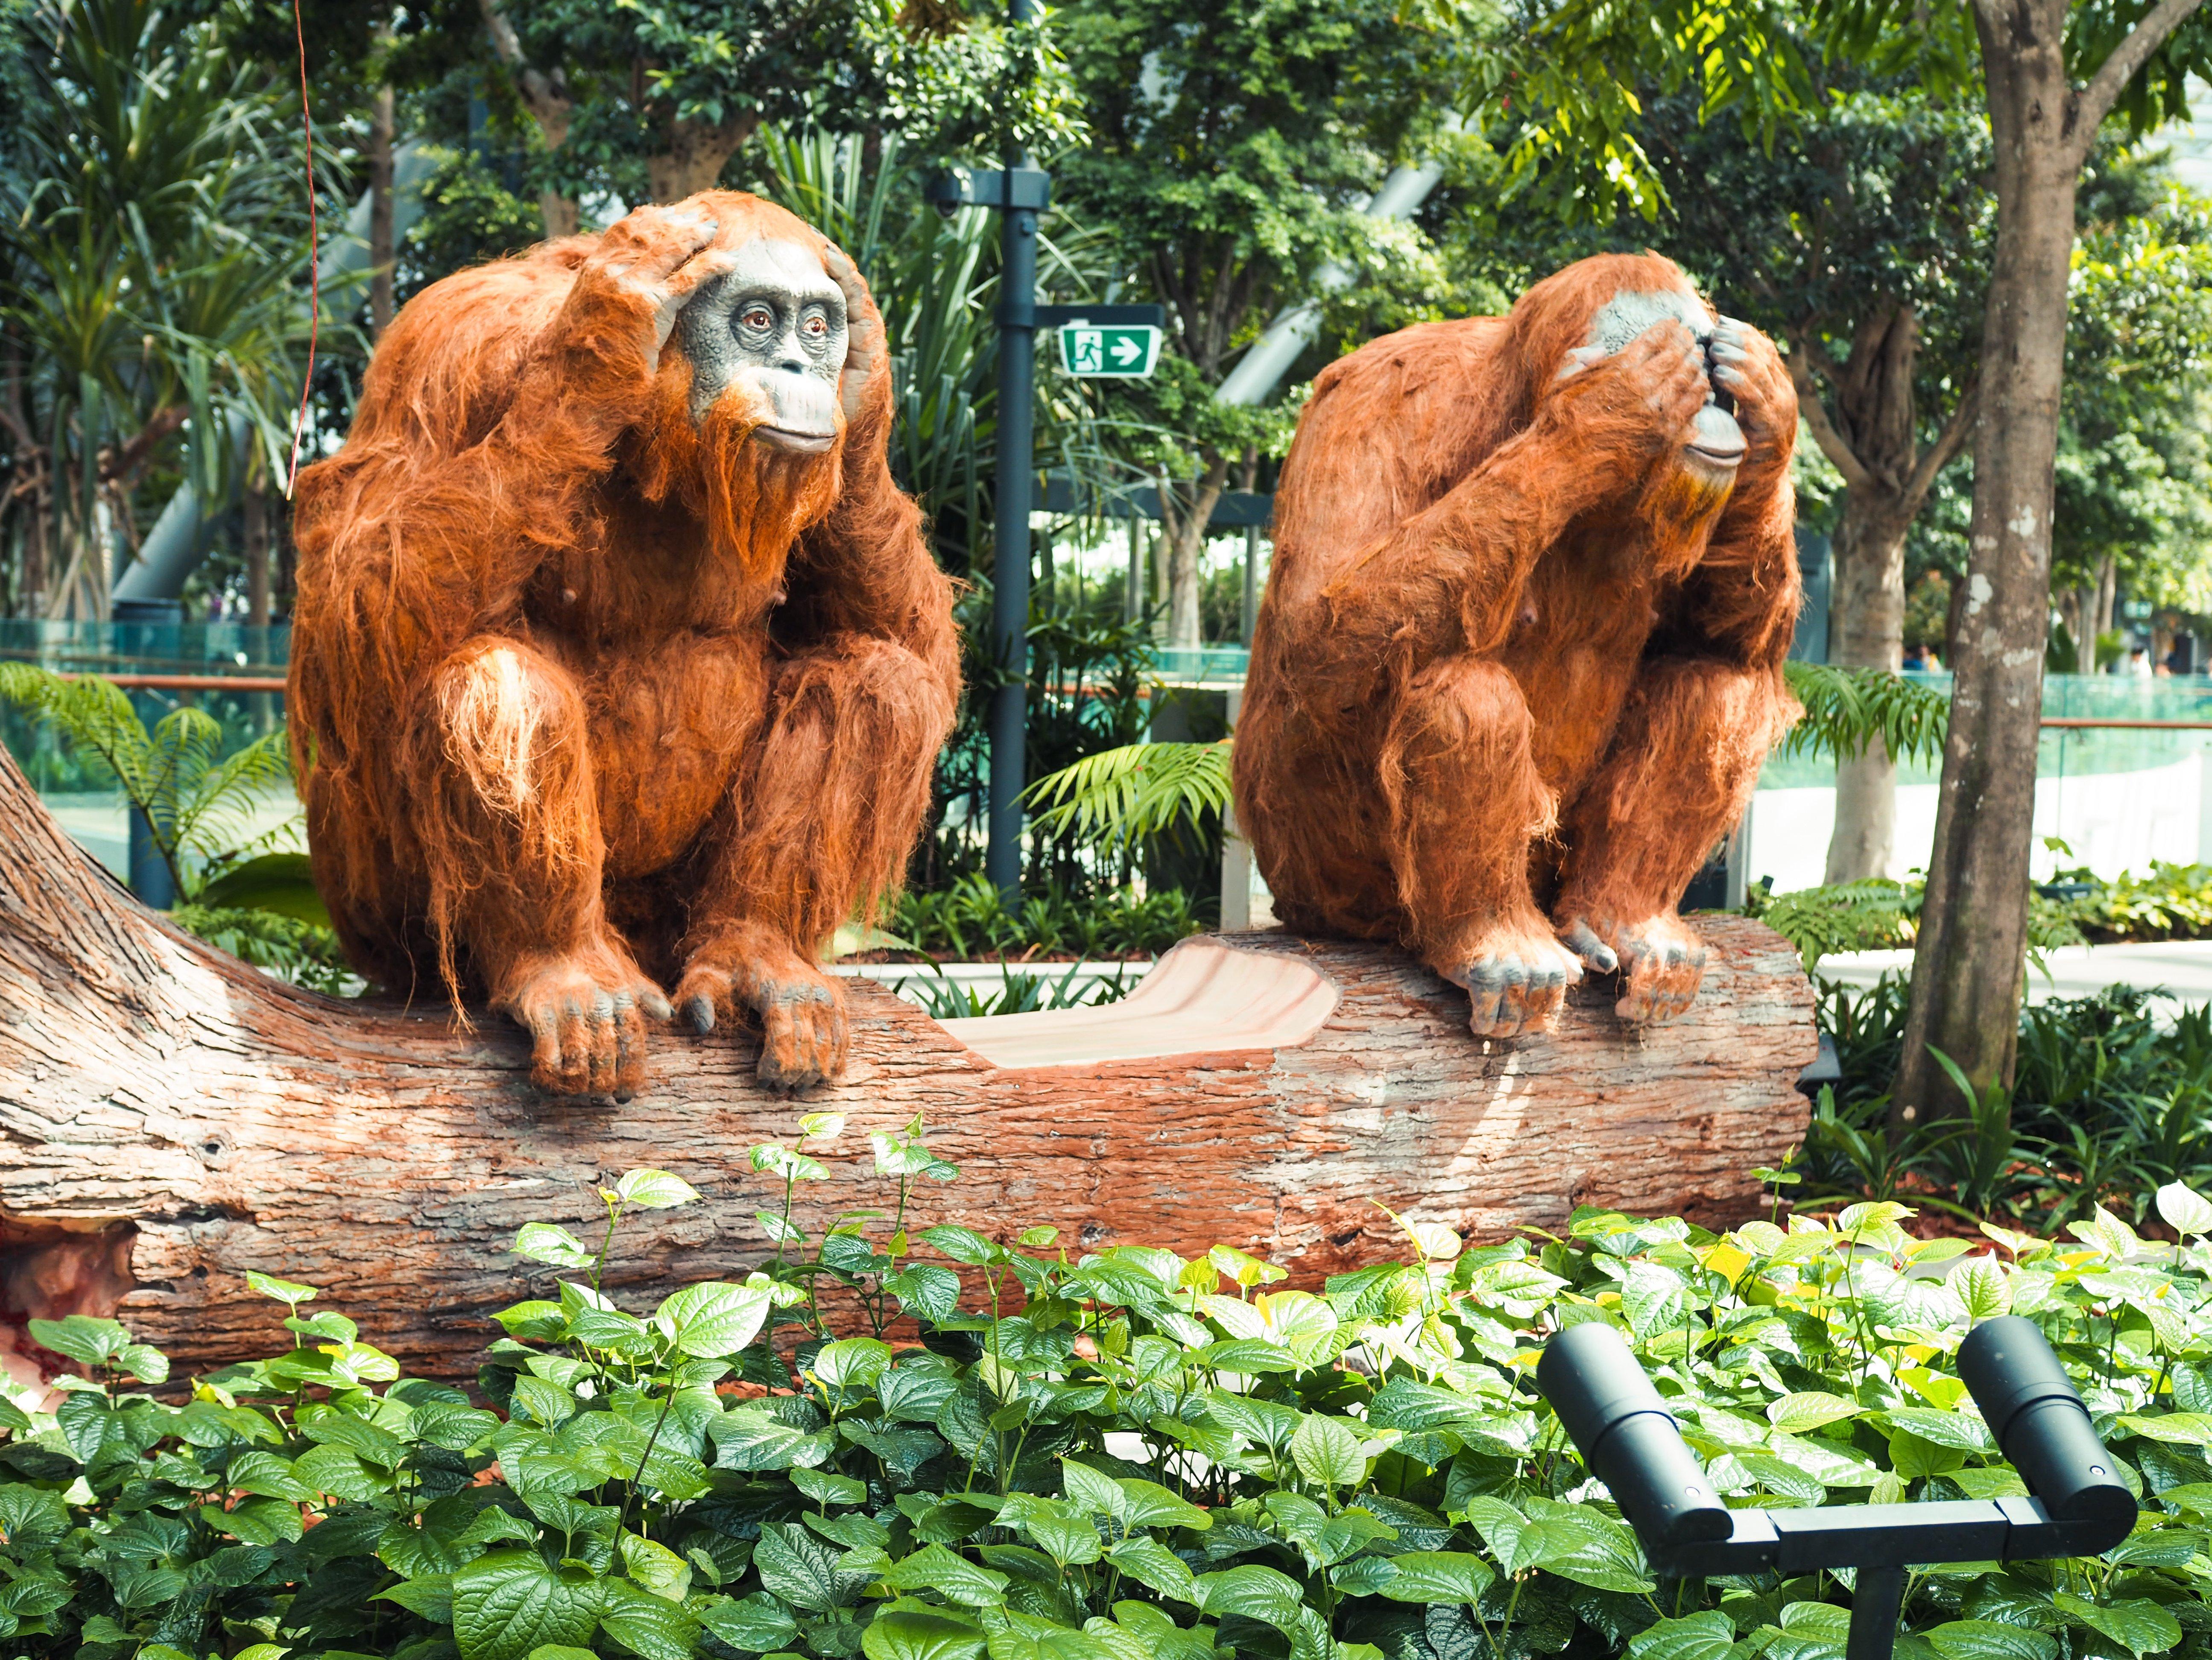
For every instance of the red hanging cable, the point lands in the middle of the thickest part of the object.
(315, 257)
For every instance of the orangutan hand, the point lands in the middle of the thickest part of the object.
(867, 355)
(1616, 415)
(1748, 369)
(1663, 961)
(623, 304)
(584, 1012)
(745, 966)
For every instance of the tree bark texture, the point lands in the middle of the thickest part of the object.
(1969, 957)
(170, 1118)
(382, 252)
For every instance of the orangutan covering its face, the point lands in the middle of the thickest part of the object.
(1520, 657)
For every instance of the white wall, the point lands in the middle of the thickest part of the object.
(2113, 822)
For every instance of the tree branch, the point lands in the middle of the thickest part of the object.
(1937, 455)
(2094, 102)
(1824, 430)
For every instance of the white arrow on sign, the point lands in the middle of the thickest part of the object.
(1128, 351)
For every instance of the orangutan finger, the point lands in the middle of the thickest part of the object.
(1578, 360)
(575, 1062)
(544, 1030)
(655, 1003)
(699, 1013)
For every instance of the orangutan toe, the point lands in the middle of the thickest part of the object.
(1516, 987)
(1595, 955)
(802, 1038)
(1664, 968)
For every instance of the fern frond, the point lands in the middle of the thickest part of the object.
(95, 715)
(1846, 710)
(1137, 790)
(215, 804)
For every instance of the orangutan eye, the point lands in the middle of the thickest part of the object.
(815, 326)
(756, 318)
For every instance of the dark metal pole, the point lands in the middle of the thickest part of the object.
(1877, 1599)
(1010, 609)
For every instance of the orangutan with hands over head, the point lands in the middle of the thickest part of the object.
(618, 661)
(1521, 654)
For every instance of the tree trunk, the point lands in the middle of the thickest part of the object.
(546, 97)
(170, 1118)
(382, 252)
(1969, 957)
(255, 510)
(697, 153)
(1185, 531)
(1867, 630)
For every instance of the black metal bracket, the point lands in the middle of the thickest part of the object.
(1013, 188)
(1054, 317)
(1631, 1442)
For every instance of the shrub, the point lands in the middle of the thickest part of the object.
(1119, 1456)
(2108, 1104)
(970, 920)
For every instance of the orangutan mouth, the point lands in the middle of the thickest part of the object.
(787, 438)
(1716, 438)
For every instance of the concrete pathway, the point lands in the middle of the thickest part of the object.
(2182, 967)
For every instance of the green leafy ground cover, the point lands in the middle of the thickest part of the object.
(2172, 902)
(2109, 1103)
(1117, 1455)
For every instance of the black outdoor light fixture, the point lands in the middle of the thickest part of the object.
(1630, 1442)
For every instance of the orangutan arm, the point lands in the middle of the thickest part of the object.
(1450, 577)
(439, 546)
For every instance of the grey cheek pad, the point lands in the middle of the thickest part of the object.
(705, 333)
(1630, 312)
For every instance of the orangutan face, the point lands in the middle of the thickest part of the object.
(1716, 442)
(771, 331)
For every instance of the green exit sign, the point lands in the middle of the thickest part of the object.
(1126, 352)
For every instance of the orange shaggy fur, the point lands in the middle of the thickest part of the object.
(589, 700)
(1514, 656)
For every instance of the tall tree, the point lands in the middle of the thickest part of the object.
(1233, 145)
(2051, 73)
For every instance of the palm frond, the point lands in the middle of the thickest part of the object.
(1846, 710)
(1137, 790)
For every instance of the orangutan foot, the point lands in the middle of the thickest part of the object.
(801, 1010)
(1662, 962)
(1515, 980)
(585, 1013)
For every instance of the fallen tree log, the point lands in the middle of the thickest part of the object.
(170, 1118)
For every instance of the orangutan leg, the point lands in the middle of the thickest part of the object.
(1465, 803)
(506, 812)
(1676, 778)
(823, 812)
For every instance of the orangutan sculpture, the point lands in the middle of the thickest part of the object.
(618, 662)
(1521, 654)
